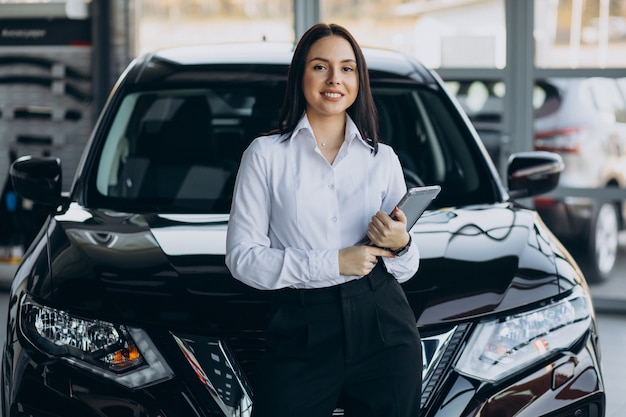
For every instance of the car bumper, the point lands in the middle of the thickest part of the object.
(569, 386)
(57, 390)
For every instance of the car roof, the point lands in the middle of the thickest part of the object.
(235, 53)
(378, 60)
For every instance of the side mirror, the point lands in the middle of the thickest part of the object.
(38, 179)
(533, 173)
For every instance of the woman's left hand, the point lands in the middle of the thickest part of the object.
(386, 232)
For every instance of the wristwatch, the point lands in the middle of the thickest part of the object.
(403, 250)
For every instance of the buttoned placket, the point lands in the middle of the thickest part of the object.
(333, 228)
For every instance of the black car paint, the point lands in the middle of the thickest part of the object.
(194, 293)
(477, 261)
(174, 290)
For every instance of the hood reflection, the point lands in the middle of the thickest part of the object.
(475, 260)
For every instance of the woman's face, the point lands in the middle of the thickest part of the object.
(331, 81)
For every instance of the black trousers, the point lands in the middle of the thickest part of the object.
(357, 341)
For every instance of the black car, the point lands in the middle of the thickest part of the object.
(123, 305)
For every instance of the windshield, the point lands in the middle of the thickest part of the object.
(178, 150)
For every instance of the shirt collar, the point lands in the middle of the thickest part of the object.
(352, 132)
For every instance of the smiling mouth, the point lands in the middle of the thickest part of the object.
(332, 95)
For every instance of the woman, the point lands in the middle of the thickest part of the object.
(304, 198)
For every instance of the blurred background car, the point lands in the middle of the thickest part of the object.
(583, 120)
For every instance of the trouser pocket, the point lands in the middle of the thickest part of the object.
(394, 315)
(288, 331)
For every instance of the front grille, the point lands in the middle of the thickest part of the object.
(247, 347)
(438, 352)
(227, 366)
(220, 374)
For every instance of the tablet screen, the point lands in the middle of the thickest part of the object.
(415, 202)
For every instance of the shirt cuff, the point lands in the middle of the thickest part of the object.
(404, 267)
(324, 265)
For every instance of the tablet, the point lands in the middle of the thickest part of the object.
(415, 202)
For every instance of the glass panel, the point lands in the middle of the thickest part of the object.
(570, 115)
(429, 143)
(435, 32)
(580, 33)
(483, 102)
(179, 150)
(168, 23)
(174, 147)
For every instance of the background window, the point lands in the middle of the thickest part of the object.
(165, 23)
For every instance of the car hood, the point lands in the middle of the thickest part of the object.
(169, 270)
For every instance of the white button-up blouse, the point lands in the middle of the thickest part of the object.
(292, 211)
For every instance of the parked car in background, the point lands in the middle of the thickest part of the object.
(123, 305)
(583, 120)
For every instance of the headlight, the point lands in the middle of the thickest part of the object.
(123, 354)
(501, 347)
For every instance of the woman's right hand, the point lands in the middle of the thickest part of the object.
(360, 260)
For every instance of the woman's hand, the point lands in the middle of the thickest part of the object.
(360, 260)
(386, 232)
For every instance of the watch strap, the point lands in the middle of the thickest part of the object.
(404, 249)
